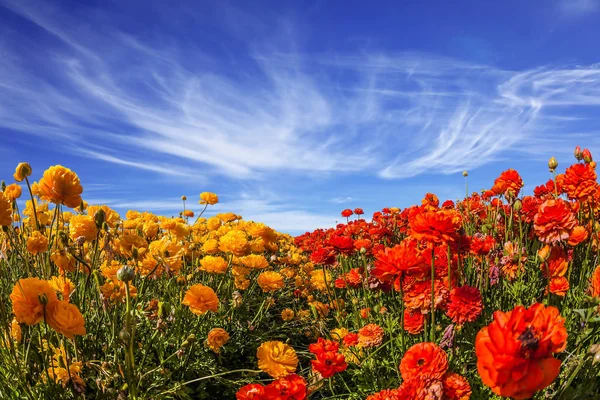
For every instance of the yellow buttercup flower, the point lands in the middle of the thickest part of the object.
(208, 198)
(22, 171)
(6, 218)
(270, 281)
(83, 226)
(60, 185)
(200, 299)
(13, 192)
(29, 296)
(277, 359)
(66, 319)
(212, 264)
(37, 243)
(287, 314)
(217, 337)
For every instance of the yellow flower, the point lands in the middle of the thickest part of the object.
(111, 217)
(37, 243)
(235, 242)
(15, 331)
(277, 359)
(270, 281)
(22, 171)
(63, 260)
(217, 337)
(28, 298)
(200, 299)
(287, 314)
(66, 319)
(60, 185)
(150, 229)
(320, 279)
(211, 246)
(13, 192)
(254, 261)
(212, 264)
(83, 225)
(208, 198)
(5, 211)
(63, 285)
(338, 333)
(213, 223)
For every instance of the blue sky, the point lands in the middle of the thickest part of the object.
(294, 110)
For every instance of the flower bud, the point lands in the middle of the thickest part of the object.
(124, 336)
(190, 339)
(552, 164)
(125, 273)
(363, 250)
(517, 205)
(3, 185)
(99, 218)
(577, 153)
(183, 198)
(43, 298)
(544, 253)
(587, 156)
(465, 173)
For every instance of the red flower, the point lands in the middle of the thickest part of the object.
(403, 258)
(343, 244)
(554, 221)
(421, 387)
(350, 339)
(323, 345)
(385, 394)
(323, 256)
(329, 363)
(508, 183)
(456, 387)
(482, 244)
(578, 235)
(435, 226)
(465, 304)
(595, 283)
(347, 212)
(424, 359)
(559, 286)
(515, 352)
(253, 391)
(414, 321)
(579, 181)
(291, 387)
(358, 211)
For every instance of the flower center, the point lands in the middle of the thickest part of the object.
(529, 342)
(421, 362)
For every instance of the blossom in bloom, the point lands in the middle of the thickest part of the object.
(188, 213)
(287, 314)
(200, 299)
(22, 171)
(421, 387)
(291, 387)
(456, 387)
(385, 394)
(554, 221)
(347, 212)
(15, 331)
(508, 183)
(402, 259)
(435, 226)
(424, 359)
(254, 261)
(270, 281)
(370, 335)
(414, 322)
(217, 337)
(62, 285)
(277, 359)
(13, 192)
(595, 283)
(235, 241)
(559, 285)
(37, 243)
(465, 304)
(208, 198)
(578, 235)
(213, 264)
(328, 363)
(358, 211)
(60, 185)
(351, 339)
(66, 319)
(6, 218)
(253, 391)
(579, 181)
(28, 298)
(515, 353)
(83, 226)
(323, 345)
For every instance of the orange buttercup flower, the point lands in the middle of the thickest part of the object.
(424, 359)
(465, 304)
(456, 387)
(22, 171)
(13, 192)
(385, 394)
(37, 243)
(554, 221)
(213, 264)
(62, 285)
(28, 298)
(66, 319)
(578, 235)
(557, 263)
(208, 198)
(435, 226)
(83, 226)
(277, 359)
(6, 213)
(200, 299)
(430, 202)
(579, 181)
(370, 335)
(508, 183)
(421, 387)
(515, 352)
(270, 281)
(402, 259)
(595, 283)
(217, 337)
(414, 322)
(417, 296)
(60, 185)
(559, 285)
(188, 213)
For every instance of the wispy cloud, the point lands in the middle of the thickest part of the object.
(341, 200)
(579, 7)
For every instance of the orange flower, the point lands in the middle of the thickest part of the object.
(435, 226)
(430, 202)
(424, 359)
(66, 319)
(417, 296)
(515, 352)
(421, 387)
(465, 304)
(559, 285)
(595, 283)
(213, 264)
(370, 335)
(508, 183)
(403, 258)
(554, 221)
(414, 322)
(22, 171)
(200, 299)
(188, 213)
(556, 264)
(37, 243)
(579, 181)
(208, 198)
(13, 192)
(28, 297)
(277, 359)
(60, 185)
(83, 226)
(578, 235)
(217, 337)
(385, 394)
(62, 285)
(456, 387)
(270, 281)
(5, 211)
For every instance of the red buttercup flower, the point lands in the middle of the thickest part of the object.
(508, 183)
(253, 391)
(343, 244)
(323, 345)
(358, 211)
(417, 295)
(456, 387)
(292, 387)
(421, 387)
(482, 244)
(347, 212)
(414, 322)
(530, 206)
(579, 181)
(350, 339)
(385, 394)
(448, 204)
(559, 285)
(430, 202)
(424, 359)
(435, 226)
(554, 221)
(515, 353)
(401, 259)
(595, 283)
(370, 335)
(465, 304)
(323, 256)
(578, 235)
(329, 363)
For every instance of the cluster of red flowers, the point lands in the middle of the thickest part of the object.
(329, 360)
(291, 387)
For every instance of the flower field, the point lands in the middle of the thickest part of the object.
(493, 296)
